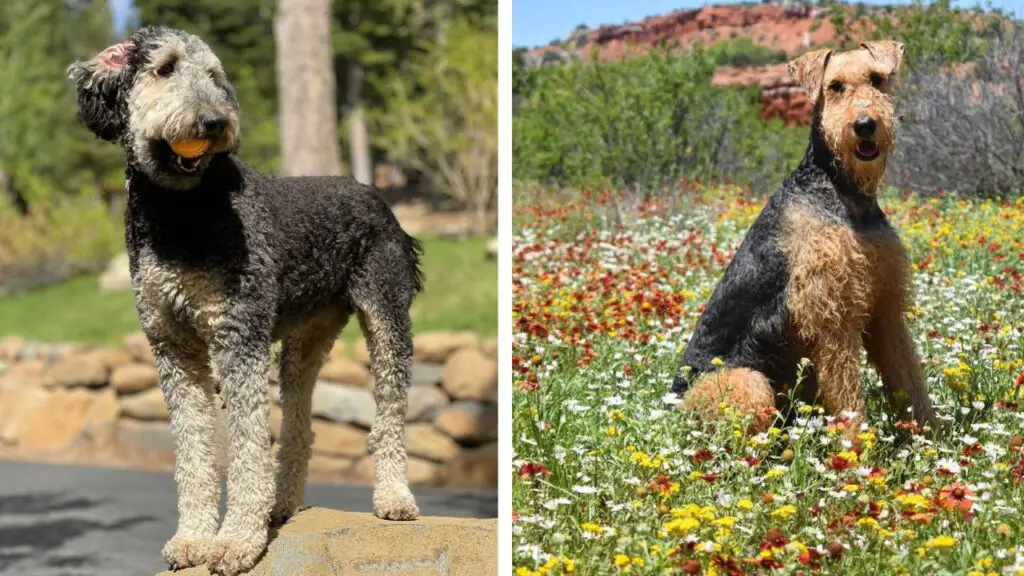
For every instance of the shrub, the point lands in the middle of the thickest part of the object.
(57, 239)
(448, 129)
(742, 51)
(963, 130)
(646, 123)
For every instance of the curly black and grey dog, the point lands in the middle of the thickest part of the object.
(821, 271)
(224, 262)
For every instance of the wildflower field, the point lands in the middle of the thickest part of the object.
(609, 479)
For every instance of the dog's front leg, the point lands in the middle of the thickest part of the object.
(836, 361)
(188, 392)
(891, 351)
(241, 362)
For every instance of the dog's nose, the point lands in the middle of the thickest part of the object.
(864, 126)
(213, 124)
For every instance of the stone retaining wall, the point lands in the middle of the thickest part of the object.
(74, 402)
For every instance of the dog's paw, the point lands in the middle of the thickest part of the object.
(395, 502)
(181, 552)
(283, 513)
(231, 555)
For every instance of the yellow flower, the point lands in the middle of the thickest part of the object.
(867, 521)
(612, 431)
(717, 362)
(523, 571)
(569, 565)
(849, 456)
(621, 560)
(784, 511)
(913, 501)
(681, 526)
(744, 504)
(725, 521)
(775, 473)
(941, 542)
(591, 527)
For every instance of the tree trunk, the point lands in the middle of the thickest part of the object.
(306, 88)
(359, 141)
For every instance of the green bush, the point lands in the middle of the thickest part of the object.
(57, 239)
(646, 124)
(742, 51)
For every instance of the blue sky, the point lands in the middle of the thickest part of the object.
(538, 22)
(122, 9)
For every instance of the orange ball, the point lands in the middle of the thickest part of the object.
(190, 148)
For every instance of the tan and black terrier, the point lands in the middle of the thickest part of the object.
(821, 270)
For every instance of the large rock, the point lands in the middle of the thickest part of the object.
(147, 437)
(34, 419)
(321, 464)
(437, 346)
(110, 357)
(117, 276)
(490, 347)
(10, 348)
(469, 422)
(424, 402)
(346, 371)
(471, 375)
(426, 373)
(138, 347)
(148, 405)
(418, 471)
(133, 378)
(473, 468)
(425, 441)
(29, 373)
(86, 370)
(343, 404)
(338, 439)
(322, 542)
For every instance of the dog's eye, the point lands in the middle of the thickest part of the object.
(836, 86)
(212, 74)
(167, 69)
(876, 79)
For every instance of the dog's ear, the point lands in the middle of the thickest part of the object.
(886, 53)
(809, 70)
(98, 82)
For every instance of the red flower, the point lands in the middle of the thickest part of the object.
(531, 469)
(911, 425)
(774, 538)
(840, 464)
(703, 455)
(729, 565)
(662, 483)
(1018, 472)
(973, 449)
(956, 496)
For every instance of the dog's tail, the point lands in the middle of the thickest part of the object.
(414, 248)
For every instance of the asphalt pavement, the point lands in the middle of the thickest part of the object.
(63, 520)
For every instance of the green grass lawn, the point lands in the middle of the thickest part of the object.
(460, 293)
